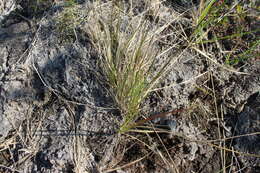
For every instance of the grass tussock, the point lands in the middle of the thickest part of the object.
(129, 58)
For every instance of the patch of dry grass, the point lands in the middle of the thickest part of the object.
(126, 43)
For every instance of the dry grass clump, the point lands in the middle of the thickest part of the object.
(129, 57)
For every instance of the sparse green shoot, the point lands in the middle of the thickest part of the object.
(68, 20)
(224, 22)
